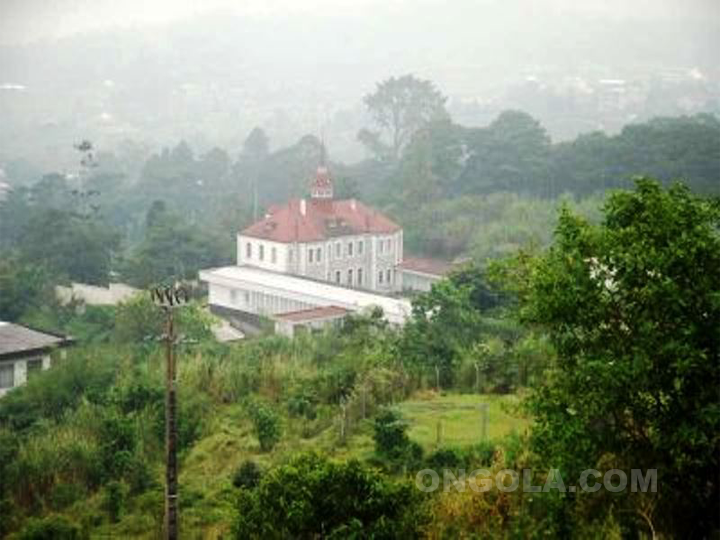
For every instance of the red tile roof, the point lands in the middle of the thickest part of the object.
(434, 267)
(321, 220)
(311, 314)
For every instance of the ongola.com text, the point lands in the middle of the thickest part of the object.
(590, 480)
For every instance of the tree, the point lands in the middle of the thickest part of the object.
(632, 306)
(401, 106)
(444, 324)
(21, 286)
(255, 150)
(171, 250)
(313, 497)
(511, 154)
(257, 145)
(69, 248)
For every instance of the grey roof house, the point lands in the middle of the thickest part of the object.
(23, 352)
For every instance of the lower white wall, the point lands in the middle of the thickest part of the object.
(20, 370)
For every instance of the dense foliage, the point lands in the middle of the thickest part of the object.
(312, 497)
(632, 306)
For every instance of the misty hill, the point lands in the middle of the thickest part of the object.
(210, 80)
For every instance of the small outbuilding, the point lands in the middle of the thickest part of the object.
(287, 324)
(24, 352)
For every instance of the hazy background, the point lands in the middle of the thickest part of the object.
(157, 72)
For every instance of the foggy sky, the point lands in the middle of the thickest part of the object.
(23, 21)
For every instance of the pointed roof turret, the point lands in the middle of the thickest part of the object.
(322, 186)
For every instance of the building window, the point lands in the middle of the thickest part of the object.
(248, 250)
(338, 250)
(234, 297)
(33, 367)
(359, 277)
(247, 298)
(350, 249)
(389, 244)
(337, 276)
(381, 243)
(350, 276)
(7, 375)
(389, 276)
(273, 255)
(318, 255)
(290, 255)
(311, 252)
(380, 277)
(360, 247)
(261, 254)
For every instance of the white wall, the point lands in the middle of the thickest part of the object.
(20, 370)
(281, 253)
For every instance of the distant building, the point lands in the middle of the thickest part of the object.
(339, 241)
(317, 253)
(92, 295)
(419, 274)
(23, 352)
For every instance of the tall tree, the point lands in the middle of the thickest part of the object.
(255, 150)
(401, 106)
(633, 309)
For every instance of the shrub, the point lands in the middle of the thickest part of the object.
(313, 497)
(117, 443)
(65, 494)
(302, 403)
(247, 475)
(390, 433)
(267, 424)
(51, 528)
(446, 458)
(114, 500)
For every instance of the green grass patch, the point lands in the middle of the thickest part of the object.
(459, 420)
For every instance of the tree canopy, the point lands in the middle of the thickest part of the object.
(632, 306)
(401, 106)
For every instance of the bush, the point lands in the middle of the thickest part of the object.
(247, 475)
(267, 424)
(51, 528)
(313, 497)
(446, 458)
(65, 494)
(117, 443)
(114, 500)
(390, 435)
(302, 404)
(84, 374)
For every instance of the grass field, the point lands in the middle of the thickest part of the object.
(459, 420)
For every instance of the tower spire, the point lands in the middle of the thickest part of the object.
(322, 186)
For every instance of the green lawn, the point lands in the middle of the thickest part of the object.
(460, 418)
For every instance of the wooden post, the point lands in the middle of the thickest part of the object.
(171, 483)
(168, 298)
(483, 421)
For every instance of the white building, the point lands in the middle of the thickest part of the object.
(338, 241)
(310, 261)
(23, 352)
(308, 254)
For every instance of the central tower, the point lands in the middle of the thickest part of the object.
(322, 187)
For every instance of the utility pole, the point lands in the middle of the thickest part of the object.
(169, 298)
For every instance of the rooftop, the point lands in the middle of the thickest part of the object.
(313, 292)
(311, 220)
(421, 265)
(17, 339)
